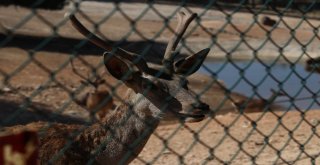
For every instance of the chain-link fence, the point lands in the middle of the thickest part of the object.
(160, 82)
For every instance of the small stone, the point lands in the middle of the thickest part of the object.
(259, 143)
(6, 89)
(314, 122)
(246, 124)
(166, 152)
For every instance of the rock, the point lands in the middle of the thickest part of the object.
(6, 89)
(268, 21)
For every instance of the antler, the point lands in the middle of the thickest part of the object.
(184, 19)
(139, 61)
(86, 80)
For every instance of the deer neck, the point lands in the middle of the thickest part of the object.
(126, 129)
(134, 116)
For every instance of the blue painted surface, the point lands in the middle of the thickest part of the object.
(256, 79)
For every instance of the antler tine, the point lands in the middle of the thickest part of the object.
(139, 61)
(84, 79)
(184, 19)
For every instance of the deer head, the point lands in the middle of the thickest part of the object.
(163, 91)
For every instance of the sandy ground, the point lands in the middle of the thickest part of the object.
(281, 137)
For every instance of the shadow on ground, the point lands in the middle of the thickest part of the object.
(152, 51)
(12, 113)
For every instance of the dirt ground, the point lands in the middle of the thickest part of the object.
(277, 136)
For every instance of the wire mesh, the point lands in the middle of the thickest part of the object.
(260, 80)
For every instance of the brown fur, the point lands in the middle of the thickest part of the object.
(97, 102)
(121, 128)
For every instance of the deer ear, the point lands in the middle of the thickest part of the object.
(191, 64)
(117, 67)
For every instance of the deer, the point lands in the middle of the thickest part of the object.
(154, 95)
(98, 101)
(245, 105)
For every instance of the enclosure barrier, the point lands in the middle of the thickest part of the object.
(260, 79)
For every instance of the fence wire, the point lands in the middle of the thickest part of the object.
(253, 98)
